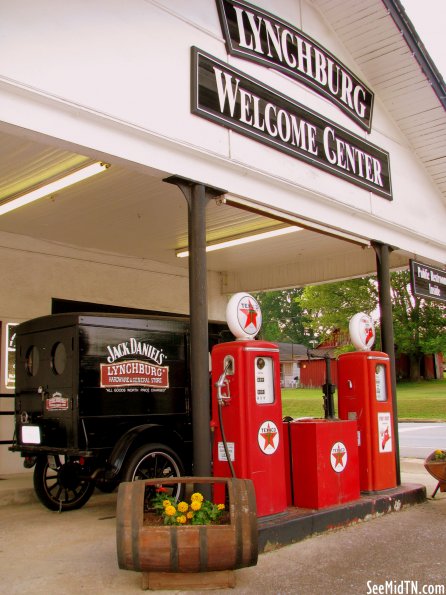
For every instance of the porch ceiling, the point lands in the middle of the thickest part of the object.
(132, 214)
(396, 65)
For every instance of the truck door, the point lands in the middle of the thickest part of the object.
(46, 389)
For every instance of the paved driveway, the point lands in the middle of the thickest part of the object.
(46, 553)
(418, 440)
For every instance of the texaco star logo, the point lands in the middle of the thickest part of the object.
(268, 437)
(338, 457)
(368, 334)
(248, 312)
(244, 316)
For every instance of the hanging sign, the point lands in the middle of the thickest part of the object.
(235, 100)
(427, 282)
(257, 35)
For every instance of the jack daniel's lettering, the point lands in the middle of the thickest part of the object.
(134, 347)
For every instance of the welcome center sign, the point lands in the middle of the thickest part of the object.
(237, 101)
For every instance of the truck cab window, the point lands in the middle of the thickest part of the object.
(58, 358)
(32, 360)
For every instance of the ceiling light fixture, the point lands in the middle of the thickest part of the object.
(68, 180)
(229, 243)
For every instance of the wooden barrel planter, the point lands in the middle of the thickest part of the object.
(187, 548)
(437, 468)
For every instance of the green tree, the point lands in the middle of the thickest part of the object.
(330, 306)
(283, 319)
(315, 312)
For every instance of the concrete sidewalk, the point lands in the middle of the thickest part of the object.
(44, 552)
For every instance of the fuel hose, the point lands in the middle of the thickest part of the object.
(223, 437)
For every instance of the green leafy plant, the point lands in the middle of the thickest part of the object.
(439, 455)
(196, 512)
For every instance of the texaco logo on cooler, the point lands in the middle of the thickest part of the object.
(268, 437)
(338, 457)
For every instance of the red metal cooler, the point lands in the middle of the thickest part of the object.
(324, 461)
(364, 395)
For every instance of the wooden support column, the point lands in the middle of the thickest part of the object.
(387, 339)
(198, 196)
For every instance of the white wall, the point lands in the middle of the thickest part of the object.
(39, 271)
(115, 76)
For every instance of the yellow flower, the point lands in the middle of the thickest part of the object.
(183, 506)
(196, 505)
(220, 506)
(170, 510)
(181, 519)
(196, 497)
(166, 503)
(190, 514)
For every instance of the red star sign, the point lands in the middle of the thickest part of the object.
(251, 315)
(368, 335)
(339, 455)
(269, 436)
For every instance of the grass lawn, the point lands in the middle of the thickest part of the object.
(415, 400)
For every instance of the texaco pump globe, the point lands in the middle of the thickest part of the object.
(362, 331)
(243, 316)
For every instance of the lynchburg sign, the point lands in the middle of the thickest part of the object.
(257, 35)
(237, 101)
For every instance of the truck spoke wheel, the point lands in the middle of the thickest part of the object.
(60, 486)
(153, 461)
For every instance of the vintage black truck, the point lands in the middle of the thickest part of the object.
(103, 398)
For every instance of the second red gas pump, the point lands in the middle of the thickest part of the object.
(364, 395)
(247, 409)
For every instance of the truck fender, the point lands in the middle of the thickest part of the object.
(134, 437)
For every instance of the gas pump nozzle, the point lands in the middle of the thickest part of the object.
(221, 398)
(221, 382)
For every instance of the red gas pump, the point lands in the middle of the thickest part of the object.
(247, 409)
(364, 395)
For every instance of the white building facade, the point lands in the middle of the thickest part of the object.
(316, 116)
